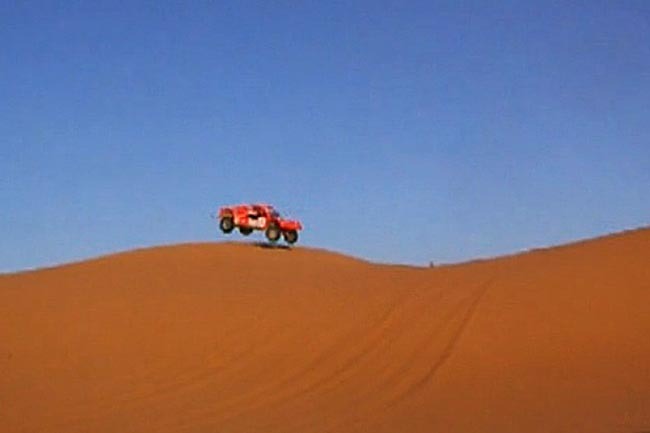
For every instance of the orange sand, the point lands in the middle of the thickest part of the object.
(237, 338)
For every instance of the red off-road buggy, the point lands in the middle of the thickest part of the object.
(249, 217)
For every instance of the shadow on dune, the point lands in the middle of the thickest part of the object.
(271, 246)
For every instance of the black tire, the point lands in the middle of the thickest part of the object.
(245, 230)
(291, 236)
(273, 233)
(226, 224)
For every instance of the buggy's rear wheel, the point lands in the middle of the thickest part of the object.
(226, 224)
(273, 233)
(291, 236)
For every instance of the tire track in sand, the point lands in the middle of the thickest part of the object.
(448, 349)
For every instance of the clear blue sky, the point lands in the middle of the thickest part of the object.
(397, 131)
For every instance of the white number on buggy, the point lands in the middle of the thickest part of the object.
(257, 222)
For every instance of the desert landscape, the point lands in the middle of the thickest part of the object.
(325, 217)
(231, 337)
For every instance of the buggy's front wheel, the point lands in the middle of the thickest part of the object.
(291, 236)
(273, 233)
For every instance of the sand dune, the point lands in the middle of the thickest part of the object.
(237, 338)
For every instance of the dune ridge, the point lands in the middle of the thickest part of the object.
(237, 338)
